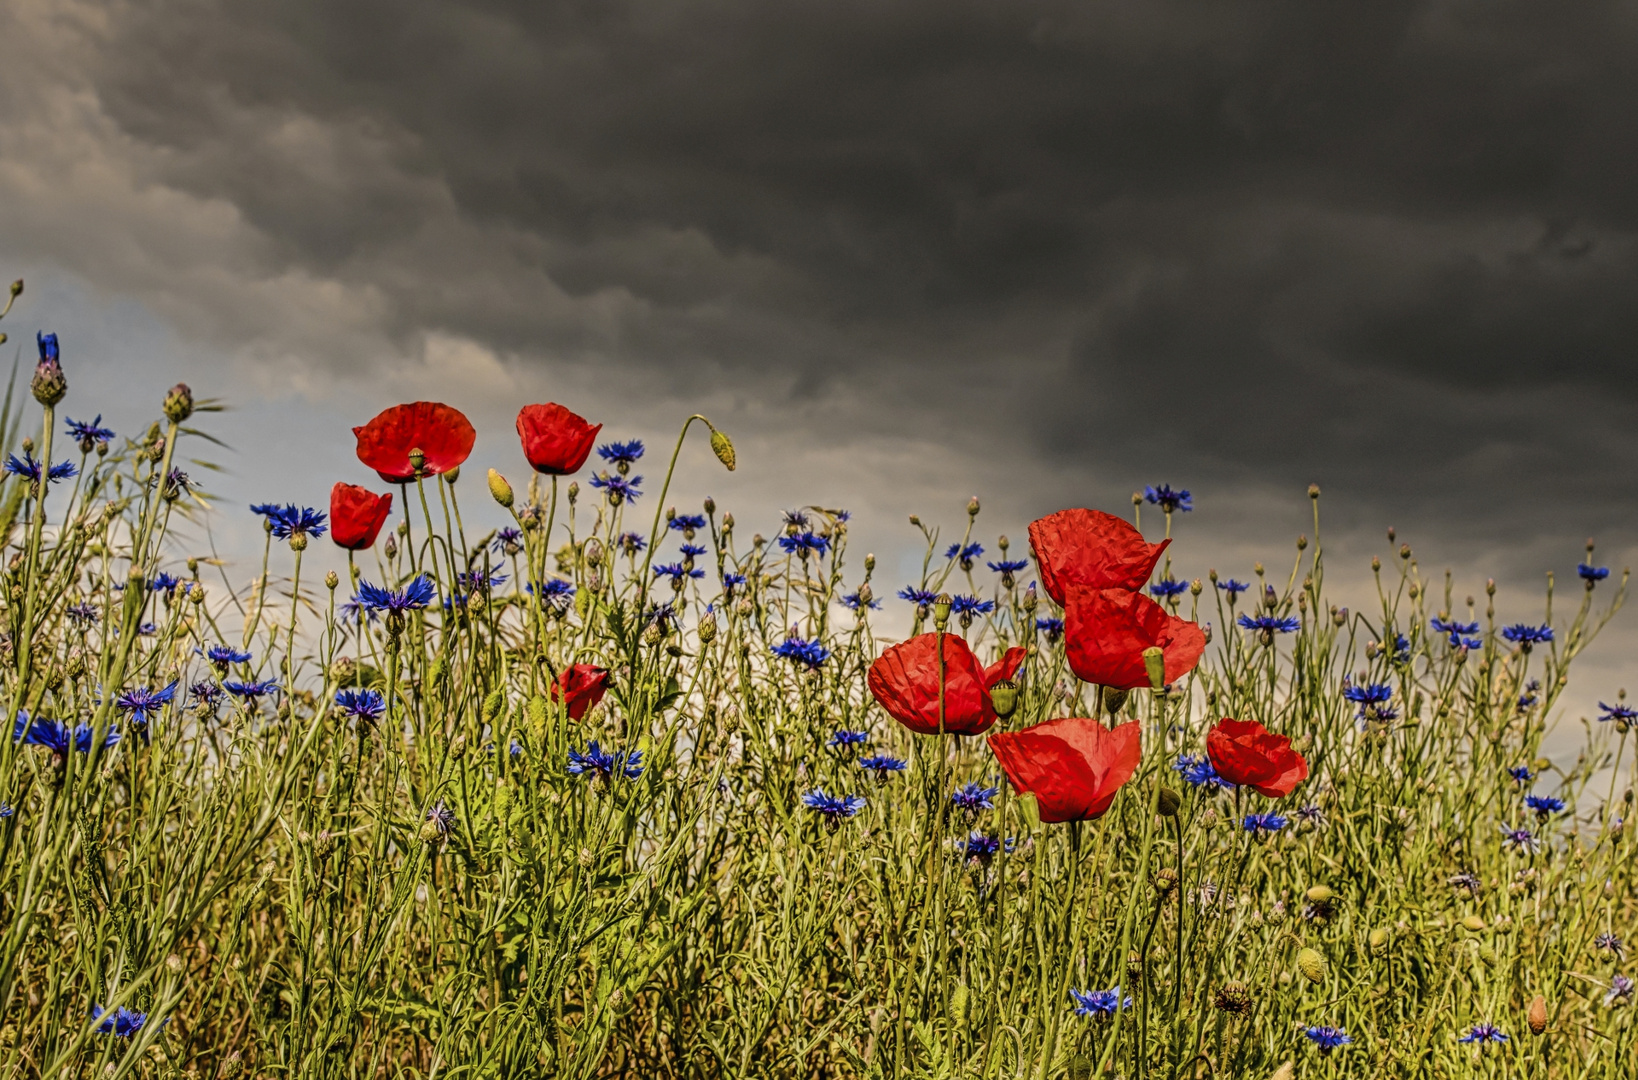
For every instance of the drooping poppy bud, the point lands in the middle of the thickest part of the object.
(1093, 550)
(555, 440)
(442, 434)
(1073, 766)
(1244, 752)
(356, 515)
(904, 679)
(1107, 630)
(581, 687)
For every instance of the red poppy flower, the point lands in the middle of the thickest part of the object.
(442, 433)
(1091, 549)
(1244, 752)
(1073, 766)
(905, 680)
(356, 515)
(1106, 631)
(582, 686)
(555, 440)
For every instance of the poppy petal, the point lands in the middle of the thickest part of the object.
(442, 433)
(904, 679)
(1106, 631)
(555, 440)
(1093, 550)
(1073, 766)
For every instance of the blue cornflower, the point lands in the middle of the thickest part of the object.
(1169, 500)
(1482, 1034)
(965, 554)
(1198, 772)
(205, 693)
(6, 810)
(122, 1022)
(629, 542)
(222, 655)
(691, 551)
(1009, 566)
(798, 651)
(417, 594)
(266, 510)
(973, 797)
(147, 629)
(1620, 712)
(1456, 629)
(676, 572)
(298, 521)
(1168, 588)
(82, 614)
(141, 703)
(1620, 992)
(970, 605)
(1519, 839)
(833, 808)
(845, 739)
(1326, 1038)
(88, 435)
(54, 734)
(164, 583)
(883, 766)
(1525, 636)
(28, 468)
(1521, 774)
(981, 847)
(1529, 698)
(1232, 588)
(1610, 943)
(1368, 694)
(508, 540)
(921, 597)
(366, 705)
(477, 582)
(598, 762)
(252, 692)
(731, 581)
(1262, 825)
(1401, 649)
(1099, 1004)
(1545, 806)
(441, 818)
(1592, 574)
(1052, 627)
(852, 602)
(1311, 814)
(621, 453)
(618, 488)
(687, 523)
(804, 544)
(556, 592)
(1270, 624)
(799, 518)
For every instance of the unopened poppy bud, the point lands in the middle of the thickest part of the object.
(941, 610)
(1004, 696)
(1312, 965)
(1378, 939)
(1538, 1015)
(500, 489)
(1114, 699)
(1154, 662)
(1003, 544)
(1031, 808)
(1473, 923)
(1320, 894)
(452, 475)
(179, 403)
(1167, 802)
(723, 447)
(972, 506)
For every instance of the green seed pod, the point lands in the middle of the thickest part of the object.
(1312, 965)
(1154, 662)
(1320, 894)
(1004, 696)
(959, 1000)
(493, 704)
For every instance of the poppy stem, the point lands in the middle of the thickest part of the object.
(659, 505)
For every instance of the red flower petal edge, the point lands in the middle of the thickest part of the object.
(1092, 550)
(555, 440)
(440, 432)
(1245, 752)
(1074, 767)
(905, 680)
(1106, 631)
(581, 687)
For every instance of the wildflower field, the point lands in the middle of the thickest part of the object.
(561, 780)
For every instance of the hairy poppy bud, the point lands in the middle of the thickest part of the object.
(1154, 662)
(1473, 923)
(1538, 1015)
(1167, 802)
(1114, 699)
(179, 403)
(1030, 806)
(452, 475)
(1312, 965)
(500, 489)
(1320, 894)
(1378, 940)
(1004, 697)
(723, 447)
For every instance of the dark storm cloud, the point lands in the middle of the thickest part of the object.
(1389, 245)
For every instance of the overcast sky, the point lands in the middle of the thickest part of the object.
(1042, 252)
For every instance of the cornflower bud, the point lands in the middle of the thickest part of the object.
(1031, 601)
(1313, 491)
(574, 491)
(179, 403)
(708, 628)
(972, 506)
(1137, 498)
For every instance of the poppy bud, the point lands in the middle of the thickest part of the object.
(1114, 698)
(941, 610)
(1030, 806)
(1378, 940)
(1004, 696)
(1538, 1015)
(179, 403)
(723, 447)
(1154, 662)
(972, 506)
(1312, 965)
(1003, 544)
(1473, 923)
(1167, 802)
(500, 489)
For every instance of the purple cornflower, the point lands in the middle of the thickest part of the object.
(1168, 588)
(919, 597)
(417, 594)
(1525, 636)
(1326, 1038)
(882, 766)
(687, 524)
(142, 704)
(366, 705)
(808, 653)
(841, 740)
(1052, 627)
(1592, 574)
(677, 572)
(1610, 943)
(298, 521)
(220, 656)
(1620, 992)
(1099, 1004)
(804, 544)
(1545, 806)
(88, 435)
(1519, 839)
(55, 735)
(618, 488)
(973, 797)
(630, 542)
(970, 606)
(1270, 625)
(1232, 588)
(622, 455)
(1169, 500)
(1456, 631)
(853, 603)
(122, 1022)
(252, 692)
(508, 540)
(1198, 772)
(965, 555)
(1620, 712)
(981, 847)
(1261, 826)
(1483, 1034)
(833, 808)
(83, 614)
(600, 763)
(29, 469)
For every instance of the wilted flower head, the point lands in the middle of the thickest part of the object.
(1519, 839)
(1620, 992)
